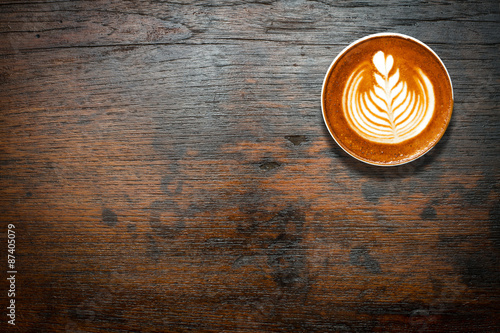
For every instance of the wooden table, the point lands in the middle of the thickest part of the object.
(166, 168)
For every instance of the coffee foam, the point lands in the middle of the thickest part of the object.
(384, 105)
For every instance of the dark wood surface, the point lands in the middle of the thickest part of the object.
(167, 169)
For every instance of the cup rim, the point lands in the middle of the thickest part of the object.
(347, 48)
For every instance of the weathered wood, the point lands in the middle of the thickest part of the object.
(167, 169)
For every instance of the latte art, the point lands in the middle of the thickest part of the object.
(383, 104)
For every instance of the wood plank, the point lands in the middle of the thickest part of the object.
(167, 169)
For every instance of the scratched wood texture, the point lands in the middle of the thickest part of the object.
(167, 169)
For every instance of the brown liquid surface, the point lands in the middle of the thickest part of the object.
(387, 100)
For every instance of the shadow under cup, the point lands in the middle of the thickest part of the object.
(387, 99)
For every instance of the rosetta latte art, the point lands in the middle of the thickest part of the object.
(384, 106)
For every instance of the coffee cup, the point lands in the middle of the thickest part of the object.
(387, 99)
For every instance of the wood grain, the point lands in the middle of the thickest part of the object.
(167, 169)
